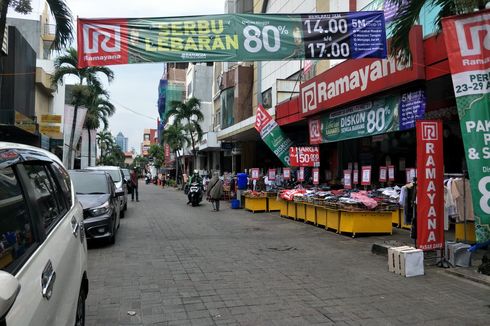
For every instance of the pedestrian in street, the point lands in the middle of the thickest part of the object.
(134, 184)
(215, 191)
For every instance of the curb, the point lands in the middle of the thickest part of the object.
(380, 249)
(469, 275)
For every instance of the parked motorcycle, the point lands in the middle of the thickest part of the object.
(195, 193)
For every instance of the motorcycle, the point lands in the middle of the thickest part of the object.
(195, 193)
(147, 179)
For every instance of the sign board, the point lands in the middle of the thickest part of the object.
(430, 185)
(272, 174)
(287, 173)
(231, 37)
(382, 174)
(366, 175)
(391, 172)
(301, 174)
(255, 174)
(49, 129)
(468, 48)
(412, 108)
(355, 177)
(304, 156)
(348, 80)
(410, 173)
(316, 176)
(347, 179)
(50, 118)
(272, 135)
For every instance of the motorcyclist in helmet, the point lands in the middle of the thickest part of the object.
(195, 178)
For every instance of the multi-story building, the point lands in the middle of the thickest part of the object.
(48, 101)
(122, 142)
(150, 137)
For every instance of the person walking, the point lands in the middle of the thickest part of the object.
(215, 191)
(134, 184)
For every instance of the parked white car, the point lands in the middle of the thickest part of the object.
(43, 248)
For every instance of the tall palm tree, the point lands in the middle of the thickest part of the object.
(175, 136)
(106, 142)
(67, 64)
(190, 113)
(98, 110)
(61, 14)
(409, 13)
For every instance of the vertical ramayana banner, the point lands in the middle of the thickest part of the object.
(468, 45)
(272, 135)
(430, 185)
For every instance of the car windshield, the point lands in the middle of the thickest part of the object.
(115, 174)
(89, 183)
(126, 173)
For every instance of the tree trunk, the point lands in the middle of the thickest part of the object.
(89, 148)
(3, 18)
(176, 170)
(72, 138)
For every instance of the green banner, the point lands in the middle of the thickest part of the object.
(470, 69)
(231, 37)
(367, 119)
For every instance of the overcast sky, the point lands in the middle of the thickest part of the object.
(135, 86)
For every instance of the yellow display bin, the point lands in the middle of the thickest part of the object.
(273, 204)
(310, 213)
(365, 222)
(321, 216)
(470, 232)
(301, 211)
(284, 207)
(402, 224)
(333, 219)
(395, 218)
(256, 204)
(291, 209)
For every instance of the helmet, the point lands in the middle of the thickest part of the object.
(196, 172)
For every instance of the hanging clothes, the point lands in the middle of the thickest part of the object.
(461, 193)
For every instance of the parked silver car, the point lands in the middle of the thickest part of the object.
(43, 248)
(121, 186)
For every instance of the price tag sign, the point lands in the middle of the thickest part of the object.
(255, 174)
(347, 179)
(411, 174)
(304, 156)
(366, 175)
(391, 172)
(301, 174)
(272, 174)
(287, 173)
(316, 176)
(355, 177)
(382, 173)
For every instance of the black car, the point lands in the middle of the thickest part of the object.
(97, 194)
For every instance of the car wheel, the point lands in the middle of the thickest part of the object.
(126, 206)
(121, 214)
(80, 313)
(112, 238)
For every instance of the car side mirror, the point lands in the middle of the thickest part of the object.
(9, 289)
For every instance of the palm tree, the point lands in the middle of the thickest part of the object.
(106, 142)
(61, 14)
(67, 64)
(190, 113)
(175, 136)
(409, 13)
(98, 110)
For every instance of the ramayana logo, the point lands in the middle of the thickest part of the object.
(472, 34)
(108, 37)
(429, 131)
(316, 93)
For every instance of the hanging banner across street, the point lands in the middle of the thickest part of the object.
(231, 37)
(468, 47)
(430, 185)
(272, 135)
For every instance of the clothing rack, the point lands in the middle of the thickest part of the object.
(463, 175)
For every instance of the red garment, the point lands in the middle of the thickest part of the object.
(134, 179)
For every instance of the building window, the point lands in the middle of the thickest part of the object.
(267, 98)
(147, 137)
(227, 104)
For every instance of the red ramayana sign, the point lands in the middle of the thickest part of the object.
(304, 156)
(430, 185)
(354, 79)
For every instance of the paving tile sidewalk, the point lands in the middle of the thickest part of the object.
(177, 265)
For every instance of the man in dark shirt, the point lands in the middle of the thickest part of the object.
(134, 184)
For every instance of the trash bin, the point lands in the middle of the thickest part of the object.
(235, 204)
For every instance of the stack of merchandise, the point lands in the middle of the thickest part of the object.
(255, 194)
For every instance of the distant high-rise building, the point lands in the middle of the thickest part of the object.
(122, 142)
